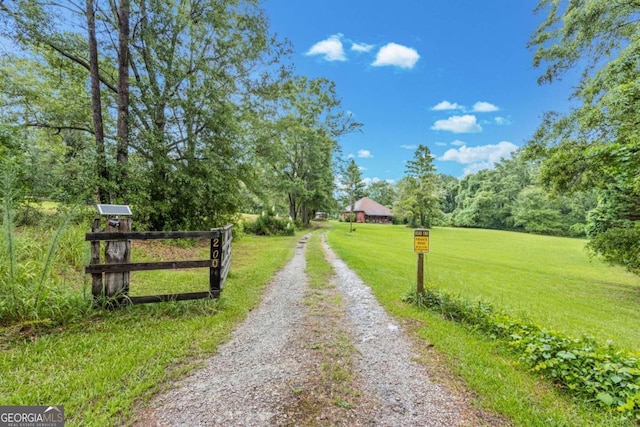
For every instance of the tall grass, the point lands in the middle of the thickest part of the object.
(8, 279)
(32, 288)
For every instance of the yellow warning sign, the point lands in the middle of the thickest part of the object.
(421, 240)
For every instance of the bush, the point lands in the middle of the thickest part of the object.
(269, 224)
(347, 218)
(28, 215)
(604, 375)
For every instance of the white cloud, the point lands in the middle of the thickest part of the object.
(361, 47)
(409, 147)
(480, 157)
(446, 105)
(502, 121)
(331, 49)
(396, 55)
(484, 107)
(364, 154)
(362, 168)
(369, 181)
(457, 143)
(441, 144)
(458, 124)
(350, 156)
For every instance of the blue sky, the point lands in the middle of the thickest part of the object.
(454, 75)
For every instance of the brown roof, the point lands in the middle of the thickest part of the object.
(369, 207)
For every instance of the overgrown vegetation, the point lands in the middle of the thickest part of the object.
(269, 224)
(35, 264)
(600, 374)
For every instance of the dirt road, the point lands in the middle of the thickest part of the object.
(322, 355)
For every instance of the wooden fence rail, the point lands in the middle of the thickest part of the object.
(218, 263)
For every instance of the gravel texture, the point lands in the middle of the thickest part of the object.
(270, 374)
(386, 367)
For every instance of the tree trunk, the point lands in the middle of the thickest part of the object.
(96, 105)
(293, 211)
(351, 213)
(122, 153)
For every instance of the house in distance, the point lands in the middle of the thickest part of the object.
(367, 210)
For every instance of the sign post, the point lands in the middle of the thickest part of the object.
(421, 247)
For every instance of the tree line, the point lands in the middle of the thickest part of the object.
(510, 196)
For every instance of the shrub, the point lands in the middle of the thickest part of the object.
(28, 215)
(600, 374)
(269, 224)
(347, 218)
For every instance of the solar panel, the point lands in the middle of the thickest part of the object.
(114, 209)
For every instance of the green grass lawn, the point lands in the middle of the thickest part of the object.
(157, 282)
(550, 280)
(99, 368)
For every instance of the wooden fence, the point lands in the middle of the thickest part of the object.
(218, 263)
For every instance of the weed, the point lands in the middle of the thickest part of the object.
(603, 375)
(30, 287)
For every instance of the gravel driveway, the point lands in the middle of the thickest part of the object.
(327, 356)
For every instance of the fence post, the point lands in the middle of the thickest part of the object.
(420, 285)
(117, 252)
(216, 265)
(96, 278)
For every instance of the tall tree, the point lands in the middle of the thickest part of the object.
(122, 133)
(351, 180)
(382, 192)
(447, 188)
(536, 212)
(96, 104)
(596, 143)
(421, 180)
(296, 138)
